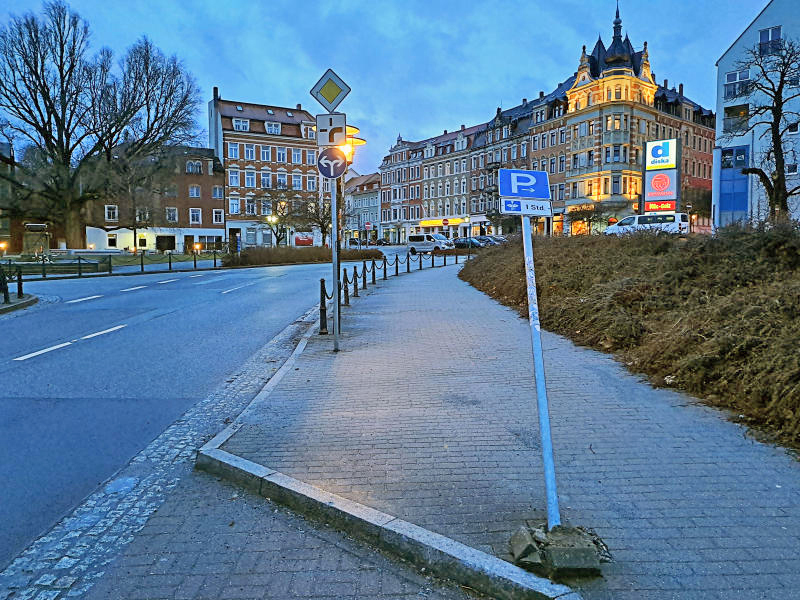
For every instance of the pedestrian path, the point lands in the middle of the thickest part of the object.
(428, 413)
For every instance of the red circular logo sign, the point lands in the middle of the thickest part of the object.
(660, 182)
(445, 222)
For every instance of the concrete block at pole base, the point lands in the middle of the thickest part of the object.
(562, 551)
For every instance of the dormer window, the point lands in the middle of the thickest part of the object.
(270, 111)
(238, 108)
(289, 113)
(241, 124)
(273, 128)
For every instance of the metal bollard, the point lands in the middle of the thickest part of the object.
(373, 271)
(19, 282)
(44, 268)
(170, 260)
(355, 281)
(433, 257)
(445, 259)
(456, 256)
(364, 275)
(408, 263)
(80, 274)
(323, 309)
(346, 289)
(396, 265)
(419, 256)
(4, 287)
(384, 268)
(215, 258)
(109, 264)
(141, 260)
(195, 261)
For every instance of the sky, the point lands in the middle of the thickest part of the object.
(416, 67)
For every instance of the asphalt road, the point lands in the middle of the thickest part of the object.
(89, 377)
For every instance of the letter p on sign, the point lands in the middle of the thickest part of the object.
(522, 182)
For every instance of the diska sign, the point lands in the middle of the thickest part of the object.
(661, 154)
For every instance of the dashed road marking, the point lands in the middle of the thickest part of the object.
(84, 299)
(167, 281)
(91, 335)
(38, 352)
(239, 287)
(198, 275)
(130, 289)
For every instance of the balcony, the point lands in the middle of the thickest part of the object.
(737, 89)
(616, 137)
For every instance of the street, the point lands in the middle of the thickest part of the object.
(102, 366)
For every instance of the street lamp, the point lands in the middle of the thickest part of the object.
(197, 247)
(3, 246)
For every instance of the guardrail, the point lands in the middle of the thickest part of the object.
(346, 281)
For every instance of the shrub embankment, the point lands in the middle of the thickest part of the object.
(282, 256)
(717, 317)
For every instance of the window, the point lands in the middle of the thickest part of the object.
(195, 216)
(791, 168)
(233, 178)
(171, 213)
(194, 191)
(233, 150)
(142, 215)
(241, 124)
(297, 182)
(553, 164)
(769, 40)
(562, 161)
(266, 207)
(194, 166)
(216, 191)
(266, 180)
(523, 150)
(311, 183)
(273, 128)
(112, 213)
(233, 206)
(266, 153)
(311, 157)
(280, 155)
(249, 152)
(250, 206)
(218, 216)
(615, 184)
(297, 156)
(281, 181)
(793, 128)
(250, 179)
(562, 135)
(112, 240)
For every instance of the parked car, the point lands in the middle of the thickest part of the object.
(487, 240)
(427, 242)
(657, 223)
(499, 238)
(467, 243)
(382, 242)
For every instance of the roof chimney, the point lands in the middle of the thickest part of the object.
(541, 94)
(216, 93)
(445, 132)
(524, 101)
(463, 128)
(680, 89)
(299, 107)
(666, 83)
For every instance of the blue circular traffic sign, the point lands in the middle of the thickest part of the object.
(332, 163)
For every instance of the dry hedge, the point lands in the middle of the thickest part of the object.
(718, 317)
(283, 256)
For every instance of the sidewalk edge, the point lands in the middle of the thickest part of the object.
(29, 301)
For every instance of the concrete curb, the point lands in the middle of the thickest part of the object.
(439, 555)
(25, 303)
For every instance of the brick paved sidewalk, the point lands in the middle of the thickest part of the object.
(428, 413)
(211, 541)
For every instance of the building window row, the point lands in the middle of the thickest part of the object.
(281, 153)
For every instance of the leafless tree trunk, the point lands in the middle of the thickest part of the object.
(73, 109)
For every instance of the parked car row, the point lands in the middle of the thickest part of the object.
(480, 241)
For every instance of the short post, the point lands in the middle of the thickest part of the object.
(419, 256)
(109, 264)
(433, 258)
(169, 254)
(19, 282)
(195, 260)
(323, 308)
(456, 256)
(355, 281)
(373, 271)
(408, 263)
(396, 265)
(445, 258)
(44, 267)
(4, 287)
(215, 258)
(363, 275)
(384, 267)
(346, 289)
(80, 274)
(141, 260)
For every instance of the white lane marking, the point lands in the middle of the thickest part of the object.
(91, 335)
(240, 287)
(167, 281)
(83, 299)
(138, 287)
(198, 275)
(50, 349)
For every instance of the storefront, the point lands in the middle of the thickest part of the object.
(451, 228)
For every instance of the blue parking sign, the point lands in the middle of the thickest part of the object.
(519, 183)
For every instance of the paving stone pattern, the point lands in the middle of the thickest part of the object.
(70, 558)
(428, 413)
(212, 541)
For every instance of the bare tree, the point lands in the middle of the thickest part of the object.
(279, 218)
(74, 109)
(772, 87)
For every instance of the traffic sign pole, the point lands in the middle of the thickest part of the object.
(553, 514)
(335, 263)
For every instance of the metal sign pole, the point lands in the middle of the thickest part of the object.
(553, 515)
(335, 264)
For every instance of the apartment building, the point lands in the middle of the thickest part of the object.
(738, 197)
(183, 205)
(400, 176)
(362, 201)
(269, 154)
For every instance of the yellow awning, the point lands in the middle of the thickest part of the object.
(440, 223)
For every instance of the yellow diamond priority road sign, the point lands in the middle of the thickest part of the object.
(330, 90)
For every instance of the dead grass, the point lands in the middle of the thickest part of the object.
(283, 256)
(717, 317)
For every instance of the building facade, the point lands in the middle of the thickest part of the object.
(738, 197)
(269, 154)
(184, 207)
(362, 198)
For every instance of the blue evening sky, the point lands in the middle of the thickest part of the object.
(416, 67)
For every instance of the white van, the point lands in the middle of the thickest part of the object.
(658, 223)
(428, 242)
